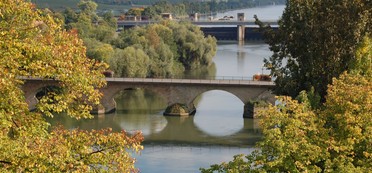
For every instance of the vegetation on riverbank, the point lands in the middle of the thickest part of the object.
(323, 59)
(33, 44)
(299, 138)
(165, 49)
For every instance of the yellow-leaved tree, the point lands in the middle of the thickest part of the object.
(334, 138)
(33, 44)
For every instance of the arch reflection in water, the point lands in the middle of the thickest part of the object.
(218, 120)
(219, 113)
(139, 109)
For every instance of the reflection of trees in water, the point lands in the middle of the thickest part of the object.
(97, 122)
(139, 101)
(202, 73)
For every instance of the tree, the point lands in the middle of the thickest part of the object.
(195, 50)
(315, 42)
(172, 47)
(335, 138)
(33, 44)
(130, 62)
(98, 50)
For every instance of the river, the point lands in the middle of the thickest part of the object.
(215, 134)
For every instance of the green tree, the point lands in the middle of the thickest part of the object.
(33, 44)
(334, 138)
(98, 50)
(110, 19)
(130, 62)
(171, 46)
(88, 8)
(315, 42)
(194, 49)
(96, 32)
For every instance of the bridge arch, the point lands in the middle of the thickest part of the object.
(139, 100)
(201, 92)
(222, 108)
(108, 102)
(32, 87)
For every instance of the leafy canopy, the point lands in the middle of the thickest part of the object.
(335, 138)
(171, 47)
(315, 42)
(33, 44)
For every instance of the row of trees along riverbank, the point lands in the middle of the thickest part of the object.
(165, 49)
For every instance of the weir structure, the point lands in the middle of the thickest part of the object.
(238, 29)
(174, 91)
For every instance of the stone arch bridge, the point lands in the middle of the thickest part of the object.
(181, 91)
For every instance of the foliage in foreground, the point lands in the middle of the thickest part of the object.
(315, 42)
(336, 138)
(33, 44)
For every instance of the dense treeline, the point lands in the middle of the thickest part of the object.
(206, 7)
(166, 49)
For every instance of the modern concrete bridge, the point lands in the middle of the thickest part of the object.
(174, 91)
(222, 29)
(226, 23)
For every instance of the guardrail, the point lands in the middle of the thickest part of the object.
(232, 80)
(221, 80)
(199, 22)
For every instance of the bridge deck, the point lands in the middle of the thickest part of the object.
(241, 81)
(193, 81)
(200, 22)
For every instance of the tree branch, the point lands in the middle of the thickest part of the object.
(5, 162)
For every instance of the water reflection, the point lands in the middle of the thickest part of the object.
(184, 159)
(219, 113)
(218, 121)
(241, 60)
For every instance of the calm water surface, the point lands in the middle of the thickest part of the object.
(216, 133)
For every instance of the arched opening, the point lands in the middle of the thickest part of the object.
(49, 91)
(140, 109)
(219, 113)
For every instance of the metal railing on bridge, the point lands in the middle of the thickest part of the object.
(229, 80)
(220, 80)
(199, 22)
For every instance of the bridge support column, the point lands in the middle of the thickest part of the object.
(248, 110)
(241, 28)
(252, 107)
(106, 106)
(241, 32)
(194, 17)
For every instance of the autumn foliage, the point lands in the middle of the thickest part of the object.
(33, 44)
